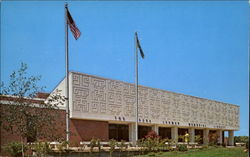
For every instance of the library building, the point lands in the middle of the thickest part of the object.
(106, 109)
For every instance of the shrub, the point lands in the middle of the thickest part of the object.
(182, 147)
(112, 144)
(198, 139)
(15, 148)
(140, 142)
(153, 144)
(122, 145)
(62, 147)
(98, 143)
(150, 144)
(161, 144)
(170, 142)
(41, 149)
(152, 134)
(95, 143)
(169, 145)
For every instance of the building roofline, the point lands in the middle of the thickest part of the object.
(26, 99)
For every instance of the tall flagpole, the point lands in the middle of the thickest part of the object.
(67, 73)
(136, 89)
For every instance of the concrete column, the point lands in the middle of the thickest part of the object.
(156, 129)
(219, 134)
(132, 133)
(191, 135)
(231, 138)
(174, 134)
(205, 136)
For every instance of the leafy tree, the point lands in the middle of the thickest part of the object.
(240, 139)
(26, 116)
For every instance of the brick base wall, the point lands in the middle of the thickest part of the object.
(7, 136)
(85, 130)
(81, 130)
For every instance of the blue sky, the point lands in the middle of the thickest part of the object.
(191, 47)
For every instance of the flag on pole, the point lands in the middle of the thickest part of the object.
(139, 45)
(76, 32)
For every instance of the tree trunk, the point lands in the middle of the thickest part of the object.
(22, 147)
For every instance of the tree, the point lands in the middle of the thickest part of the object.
(241, 139)
(25, 116)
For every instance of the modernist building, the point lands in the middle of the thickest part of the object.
(105, 109)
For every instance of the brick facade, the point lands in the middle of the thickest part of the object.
(7, 136)
(80, 130)
(85, 130)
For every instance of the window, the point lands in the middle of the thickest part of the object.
(143, 131)
(165, 132)
(118, 132)
(199, 132)
(182, 132)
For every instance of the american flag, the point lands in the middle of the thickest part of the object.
(76, 32)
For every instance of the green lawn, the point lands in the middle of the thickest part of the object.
(209, 152)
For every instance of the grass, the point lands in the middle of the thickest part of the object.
(209, 152)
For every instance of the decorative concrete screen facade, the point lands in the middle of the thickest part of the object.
(96, 98)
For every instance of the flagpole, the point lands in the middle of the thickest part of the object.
(67, 73)
(136, 88)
